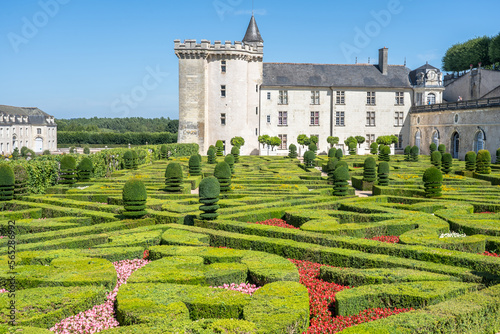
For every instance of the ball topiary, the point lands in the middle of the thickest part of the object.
(340, 184)
(330, 168)
(383, 173)
(342, 164)
(194, 165)
(433, 179)
(164, 151)
(442, 148)
(173, 177)
(352, 148)
(7, 182)
(209, 192)
(436, 159)
(229, 159)
(20, 181)
(414, 153)
(222, 172)
(235, 151)
(497, 161)
(219, 145)
(128, 160)
(211, 159)
(292, 151)
(134, 198)
(369, 173)
(407, 153)
(309, 157)
(85, 168)
(470, 161)
(339, 154)
(432, 147)
(67, 171)
(483, 162)
(447, 162)
(331, 152)
(86, 150)
(373, 148)
(312, 147)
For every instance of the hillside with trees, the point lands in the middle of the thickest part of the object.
(484, 50)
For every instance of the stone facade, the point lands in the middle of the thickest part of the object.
(475, 84)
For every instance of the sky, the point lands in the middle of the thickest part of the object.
(115, 58)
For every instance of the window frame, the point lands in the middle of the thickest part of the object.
(223, 119)
(284, 142)
(398, 118)
(339, 118)
(340, 97)
(371, 99)
(370, 118)
(400, 99)
(282, 118)
(223, 66)
(315, 97)
(314, 118)
(223, 91)
(283, 97)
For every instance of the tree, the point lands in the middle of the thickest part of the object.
(313, 140)
(349, 140)
(474, 51)
(237, 141)
(264, 139)
(274, 142)
(494, 50)
(302, 140)
(332, 140)
(360, 140)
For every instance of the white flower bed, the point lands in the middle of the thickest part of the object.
(452, 235)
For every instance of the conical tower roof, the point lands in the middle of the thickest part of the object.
(252, 35)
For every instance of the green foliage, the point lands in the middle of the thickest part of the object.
(164, 151)
(383, 173)
(68, 173)
(387, 140)
(309, 157)
(407, 153)
(330, 168)
(15, 154)
(229, 159)
(436, 159)
(264, 140)
(7, 181)
(109, 138)
(219, 145)
(474, 51)
(86, 150)
(274, 142)
(339, 154)
(447, 162)
(494, 51)
(237, 141)
(134, 197)
(433, 179)
(414, 153)
(360, 140)
(85, 168)
(20, 181)
(194, 165)
(470, 161)
(373, 148)
(332, 140)
(292, 151)
(483, 162)
(211, 158)
(313, 147)
(222, 172)
(209, 192)
(352, 148)
(340, 184)
(369, 174)
(442, 148)
(303, 140)
(45, 152)
(314, 139)
(121, 125)
(432, 147)
(128, 160)
(384, 153)
(174, 177)
(349, 140)
(235, 151)
(331, 152)
(497, 161)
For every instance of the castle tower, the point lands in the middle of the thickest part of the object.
(219, 87)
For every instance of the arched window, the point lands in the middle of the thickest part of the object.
(435, 137)
(479, 141)
(455, 143)
(417, 139)
(431, 98)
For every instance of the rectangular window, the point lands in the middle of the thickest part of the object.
(340, 97)
(398, 118)
(315, 97)
(399, 144)
(223, 66)
(370, 138)
(370, 118)
(400, 99)
(256, 133)
(268, 118)
(339, 118)
(283, 145)
(256, 88)
(222, 119)
(268, 95)
(282, 118)
(38, 131)
(222, 90)
(256, 110)
(283, 97)
(314, 118)
(370, 98)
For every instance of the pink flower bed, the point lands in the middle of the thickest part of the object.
(247, 288)
(275, 222)
(491, 254)
(3, 291)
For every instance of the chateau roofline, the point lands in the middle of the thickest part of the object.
(192, 44)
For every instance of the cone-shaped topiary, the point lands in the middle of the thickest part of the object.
(339, 154)
(331, 152)
(21, 181)
(134, 198)
(369, 173)
(383, 173)
(483, 162)
(85, 168)
(373, 148)
(447, 162)
(67, 171)
(229, 159)
(312, 147)
(442, 148)
(135, 159)
(235, 151)
(470, 161)
(86, 150)
(219, 145)
(222, 172)
(497, 161)
(414, 153)
(340, 184)
(7, 182)
(309, 157)
(433, 179)
(209, 196)
(330, 168)
(432, 147)
(292, 151)
(352, 148)
(173, 177)
(164, 151)
(128, 160)
(436, 159)
(194, 165)
(211, 159)
(407, 153)
(384, 153)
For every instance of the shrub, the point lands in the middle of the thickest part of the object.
(383, 173)
(436, 159)
(219, 146)
(229, 159)
(330, 168)
(312, 147)
(46, 152)
(447, 162)
(470, 161)
(340, 184)
(235, 151)
(85, 168)
(209, 191)
(222, 172)
(128, 160)
(384, 154)
(433, 179)
(342, 164)
(339, 154)
(331, 152)
(20, 181)
(369, 173)
(134, 198)
(173, 177)
(15, 154)
(194, 165)
(164, 151)
(407, 153)
(414, 153)
(135, 159)
(309, 157)
(86, 150)
(483, 162)
(442, 149)
(292, 151)
(7, 181)
(71, 150)
(67, 172)
(497, 161)
(432, 147)
(211, 159)
(352, 148)
(373, 148)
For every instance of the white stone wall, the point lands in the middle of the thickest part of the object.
(26, 134)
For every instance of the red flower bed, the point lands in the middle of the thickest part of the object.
(390, 239)
(486, 212)
(275, 222)
(322, 299)
(491, 254)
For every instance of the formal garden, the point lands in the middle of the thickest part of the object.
(159, 239)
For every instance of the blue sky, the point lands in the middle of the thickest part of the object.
(114, 58)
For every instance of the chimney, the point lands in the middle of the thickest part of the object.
(382, 60)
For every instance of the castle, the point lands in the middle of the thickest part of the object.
(226, 90)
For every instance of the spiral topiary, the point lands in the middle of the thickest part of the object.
(407, 153)
(173, 177)
(67, 171)
(414, 153)
(219, 145)
(211, 159)
(229, 159)
(385, 153)
(235, 151)
(330, 168)
(339, 154)
(128, 160)
(292, 151)
(309, 157)
(7, 182)
(369, 173)
(442, 148)
(194, 165)
(21, 177)
(352, 148)
(373, 148)
(383, 173)
(331, 152)
(483, 162)
(135, 160)
(447, 162)
(134, 198)
(340, 184)
(85, 168)
(436, 159)
(470, 161)
(222, 172)
(164, 151)
(433, 179)
(432, 147)
(209, 192)
(497, 161)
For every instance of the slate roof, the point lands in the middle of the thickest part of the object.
(253, 34)
(318, 75)
(35, 115)
(423, 68)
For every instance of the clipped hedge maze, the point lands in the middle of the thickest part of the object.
(68, 239)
